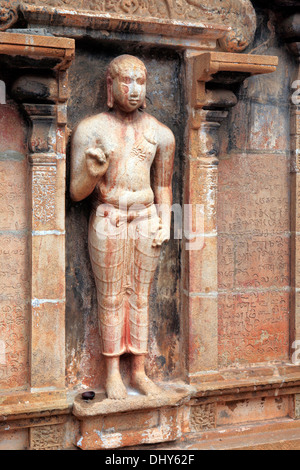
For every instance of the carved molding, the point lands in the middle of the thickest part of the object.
(8, 15)
(43, 188)
(47, 437)
(238, 15)
(203, 417)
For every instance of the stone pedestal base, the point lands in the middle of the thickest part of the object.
(111, 424)
(230, 409)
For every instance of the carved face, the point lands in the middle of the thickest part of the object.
(129, 88)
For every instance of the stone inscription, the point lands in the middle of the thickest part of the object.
(14, 255)
(257, 261)
(254, 192)
(13, 197)
(13, 268)
(253, 258)
(14, 312)
(253, 327)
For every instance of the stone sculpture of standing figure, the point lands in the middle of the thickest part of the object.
(113, 154)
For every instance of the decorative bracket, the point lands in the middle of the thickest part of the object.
(207, 64)
(42, 51)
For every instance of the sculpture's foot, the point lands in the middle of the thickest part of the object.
(115, 389)
(143, 384)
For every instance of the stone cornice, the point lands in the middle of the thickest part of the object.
(234, 21)
(60, 50)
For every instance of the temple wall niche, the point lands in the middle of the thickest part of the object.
(165, 102)
(14, 259)
(254, 216)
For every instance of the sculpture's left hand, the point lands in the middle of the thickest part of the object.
(162, 235)
(96, 161)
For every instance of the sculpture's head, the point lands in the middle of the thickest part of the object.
(126, 83)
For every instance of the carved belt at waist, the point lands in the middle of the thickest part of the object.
(118, 215)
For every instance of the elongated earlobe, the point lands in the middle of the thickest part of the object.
(144, 106)
(110, 98)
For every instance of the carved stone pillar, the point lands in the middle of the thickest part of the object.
(207, 109)
(48, 297)
(44, 99)
(47, 160)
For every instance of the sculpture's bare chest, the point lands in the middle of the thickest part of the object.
(130, 146)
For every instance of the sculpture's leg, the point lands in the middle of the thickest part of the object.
(115, 389)
(107, 258)
(145, 263)
(139, 379)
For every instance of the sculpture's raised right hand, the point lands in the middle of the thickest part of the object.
(96, 161)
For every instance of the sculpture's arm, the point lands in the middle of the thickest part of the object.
(88, 164)
(162, 182)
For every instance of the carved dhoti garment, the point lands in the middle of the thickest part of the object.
(124, 263)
